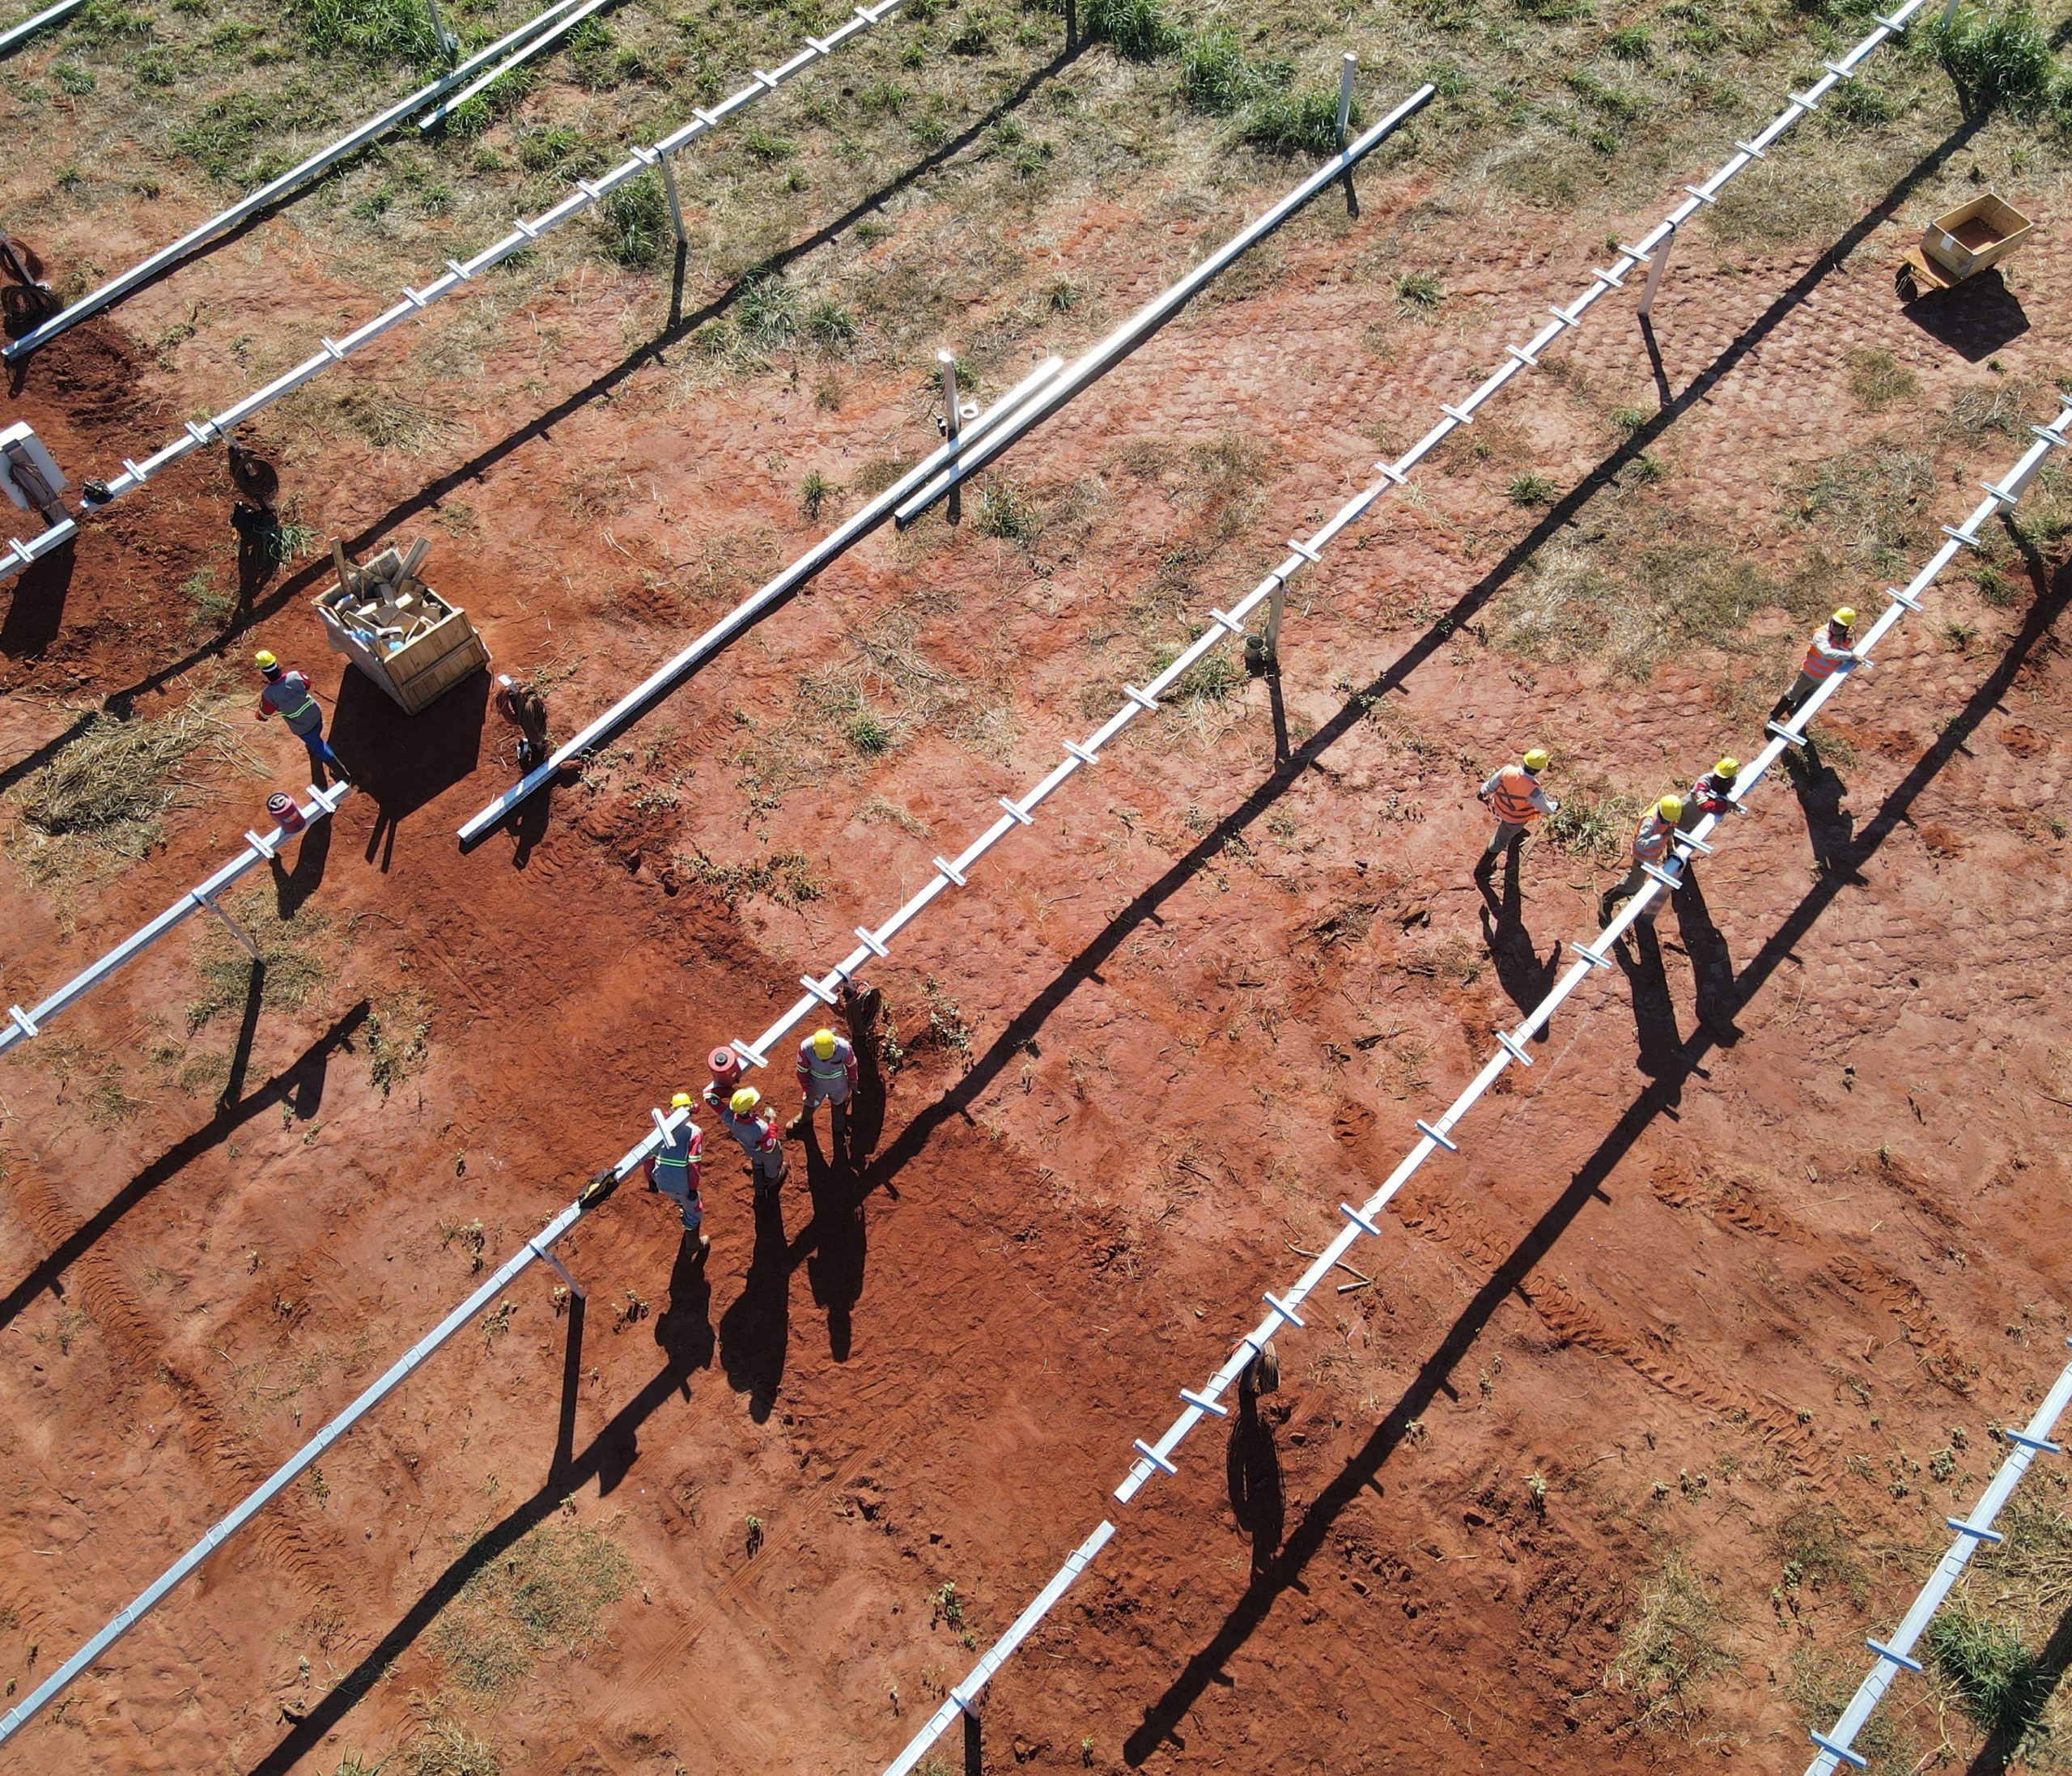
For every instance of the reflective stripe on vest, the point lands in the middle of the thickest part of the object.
(1651, 838)
(287, 686)
(677, 1152)
(835, 1067)
(1513, 800)
(1819, 665)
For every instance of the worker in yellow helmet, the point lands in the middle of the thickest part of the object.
(288, 695)
(1712, 794)
(827, 1075)
(1830, 650)
(743, 1118)
(1513, 795)
(676, 1170)
(1651, 839)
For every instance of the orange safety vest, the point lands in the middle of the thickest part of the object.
(1818, 663)
(1513, 799)
(1651, 838)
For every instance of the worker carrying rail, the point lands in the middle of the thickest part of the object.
(827, 1075)
(1711, 794)
(743, 1117)
(289, 695)
(676, 1170)
(1827, 652)
(1514, 796)
(1651, 839)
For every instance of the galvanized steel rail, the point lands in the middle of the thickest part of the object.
(539, 1247)
(260, 847)
(27, 28)
(1026, 406)
(293, 180)
(1283, 1309)
(524, 234)
(665, 1125)
(1896, 1655)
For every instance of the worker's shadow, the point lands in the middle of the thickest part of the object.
(1252, 1469)
(684, 1328)
(529, 820)
(36, 612)
(1712, 962)
(1655, 1012)
(755, 1331)
(1524, 977)
(1829, 826)
(835, 1264)
(292, 887)
(402, 762)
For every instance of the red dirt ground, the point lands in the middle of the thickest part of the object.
(1786, 1215)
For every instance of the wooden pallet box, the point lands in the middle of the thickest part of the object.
(414, 665)
(1964, 241)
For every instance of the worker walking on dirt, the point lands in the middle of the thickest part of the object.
(1513, 795)
(288, 694)
(1827, 652)
(1651, 839)
(827, 1075)
(526, 710)
(676, 1170)
(1711, 794)
(743, 1118)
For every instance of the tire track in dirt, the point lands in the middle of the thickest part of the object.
(1734, 1204)
(1575, 1322)
(136, 1345)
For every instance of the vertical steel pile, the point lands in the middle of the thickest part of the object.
(1283, 1309)
(200, 433)
(259, 847)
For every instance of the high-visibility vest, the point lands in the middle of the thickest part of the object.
(1512, 798)
(289, 695)
(840, 1065)
(1823, 657)
(1651, 838)
(676, 1161)
(755, 1135)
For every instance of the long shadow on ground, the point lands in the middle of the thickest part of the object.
(300, 1082)
(257, 609)
(1661, 1097)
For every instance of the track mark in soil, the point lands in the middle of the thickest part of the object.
(1940, 1354)
(136, 1345)
(1575, 1322)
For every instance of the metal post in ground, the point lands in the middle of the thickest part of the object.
(561, 1271)
(1656, 263)
(676, 205)
(947, 360)
(449, 45)
(1949, 11)
(974, 1750)
(1346, 70)
(232, 926)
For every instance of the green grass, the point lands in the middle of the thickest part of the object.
(2002, 62)
(868, 735)
(1598, 828)
(1877, 379)
(1137, 28)
(546, 1593)
(1996, 1678)
(381, 32)
(1294, 123)
(638, 230)
(1005, 511)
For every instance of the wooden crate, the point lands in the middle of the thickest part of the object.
(1963, 242)
(431, 662)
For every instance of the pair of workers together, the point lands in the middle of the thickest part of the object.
(827, 1073)
(1515, 795)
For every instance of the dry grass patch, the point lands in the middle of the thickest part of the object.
(1673, 1645)
(543, 1594)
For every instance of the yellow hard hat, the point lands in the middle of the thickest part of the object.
(1670, 807)
(745, 1100)
(682, 1101)
(1846, 617)
(1727, 767)
(1536, 759)
(823, 1043)
(264, 660)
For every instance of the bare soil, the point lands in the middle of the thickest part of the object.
(1773, 1216)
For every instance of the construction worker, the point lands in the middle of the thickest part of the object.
(827, 1075)
(743, 1117)
(676, 1170)
(1827, 652)
(1710, 795)
(1514, 796)
(288, 695)
(1651, 839)
(526, 710)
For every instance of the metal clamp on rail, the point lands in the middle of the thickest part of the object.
(748, 1054)
(2041, 1445)
(1082, 753)
(1590, 956)
(1836, 1748)
(1656, 872)
(1154, 1457)
(1974, 1531)
(1430, 1133)
(1899, 1660)
(819, 991)
(1204, 1402)
(871, 944)
(950, 873)
(1022, 817)
(1283, 1309)
(1511, 1046)
(1964, 537)
(1359, 1220)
